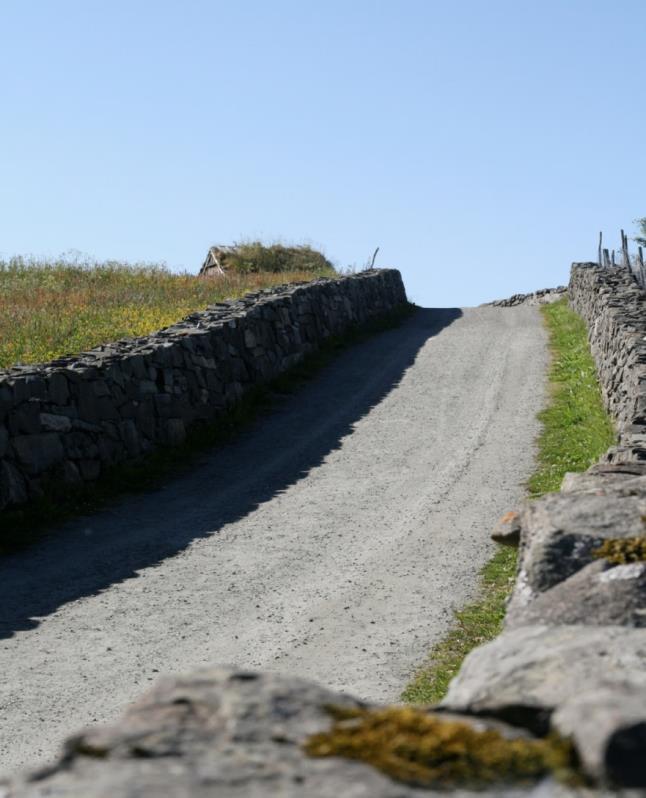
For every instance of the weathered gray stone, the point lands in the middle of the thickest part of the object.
(225, 734)
(526, 673)
(25, 419)
(89, 469)
(58, 388)
(69, 472)
(54, 423)
(6, 400)
(598, 595)
(544, 296)
(614, 483)
(175, 431)
(602, 469)
(13, 485)
(560, 532)
(37, 453)
(608, 728)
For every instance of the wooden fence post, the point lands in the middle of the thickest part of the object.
(624, 251)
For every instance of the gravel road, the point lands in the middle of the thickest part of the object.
(332, 540)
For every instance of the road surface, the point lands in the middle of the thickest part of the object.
(332, 539)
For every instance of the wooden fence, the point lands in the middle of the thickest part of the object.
(635, 263)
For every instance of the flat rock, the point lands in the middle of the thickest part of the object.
(525, 674)
(636, 468)
(599, 594)
(560, 531)
(618, 483)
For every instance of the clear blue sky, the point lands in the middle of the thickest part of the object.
(481, 145)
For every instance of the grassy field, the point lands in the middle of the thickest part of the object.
(576, 431)
(50, 309)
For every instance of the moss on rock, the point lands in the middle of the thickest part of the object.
(414, 746)
(621, 551)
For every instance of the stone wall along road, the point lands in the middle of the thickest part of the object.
(68, 420)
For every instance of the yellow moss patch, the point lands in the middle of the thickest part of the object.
(621, 551)
(413, 746)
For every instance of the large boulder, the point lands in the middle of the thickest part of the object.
(228, 734)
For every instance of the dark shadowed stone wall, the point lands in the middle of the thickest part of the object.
(70, 418)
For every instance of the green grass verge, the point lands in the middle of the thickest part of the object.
(22, 526)
(576, 428)
(576, 431)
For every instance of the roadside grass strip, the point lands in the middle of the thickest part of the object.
(576, 430)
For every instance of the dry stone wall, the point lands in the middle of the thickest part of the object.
(572, 657)
(69, 419)
(614, 308)
(571, 660)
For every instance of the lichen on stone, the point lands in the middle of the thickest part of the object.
(419, 748)
(621, 551)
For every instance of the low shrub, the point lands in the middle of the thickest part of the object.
(254, 257)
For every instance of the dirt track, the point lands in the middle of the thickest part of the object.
(332, 540)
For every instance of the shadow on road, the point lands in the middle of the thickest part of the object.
(89, 555)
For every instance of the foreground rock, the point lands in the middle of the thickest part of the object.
(608, 726)
(226, 734)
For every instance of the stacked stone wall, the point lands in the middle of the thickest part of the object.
(614, 309)
(69, 419)
(570, 662)
(572, 657)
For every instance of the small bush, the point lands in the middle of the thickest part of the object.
(251, 257)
